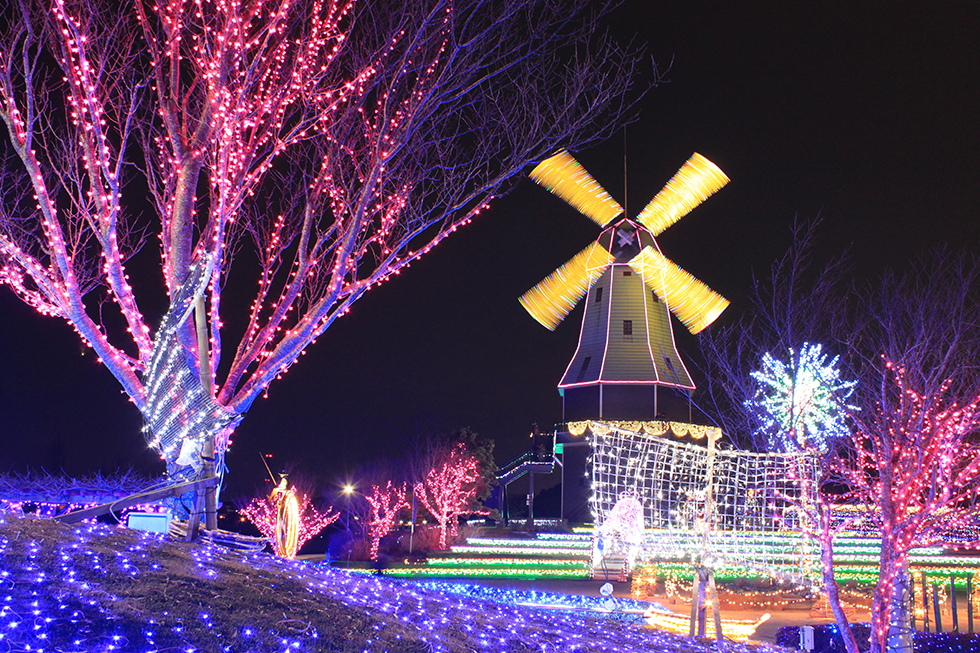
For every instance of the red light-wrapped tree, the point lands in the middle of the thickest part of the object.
(911, 342)
(385, 502)
(917, 463)
(450, 488)
(339, 139)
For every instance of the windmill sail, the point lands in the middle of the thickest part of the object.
(694, 303)
(566, 178)
(556, 295)
(697, 180)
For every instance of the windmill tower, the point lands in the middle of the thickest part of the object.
(626, 366)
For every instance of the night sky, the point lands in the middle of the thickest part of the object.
(862, 113)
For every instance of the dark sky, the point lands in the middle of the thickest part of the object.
(865, 113)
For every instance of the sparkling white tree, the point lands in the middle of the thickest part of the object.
(909, 459)
(802, 403)
(338, 140)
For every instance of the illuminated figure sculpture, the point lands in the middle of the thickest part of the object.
(287, 520)
(621, 532)
(626, 365)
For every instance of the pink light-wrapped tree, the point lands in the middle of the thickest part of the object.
(912, 341)
(450, 488)
(320, 145)
(916, 462)
(384, 503)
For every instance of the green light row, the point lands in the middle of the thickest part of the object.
(523, 550)
(506, 562)
(408, 572)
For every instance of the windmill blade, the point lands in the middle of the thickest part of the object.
(697, 180)
(566, 178)
(556, 295)
(694, 304)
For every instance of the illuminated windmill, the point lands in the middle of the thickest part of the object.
(626, 365)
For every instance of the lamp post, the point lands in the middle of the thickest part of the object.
(348, 490)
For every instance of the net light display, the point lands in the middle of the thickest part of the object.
(83, 617)
(802, 403)
(750, 518)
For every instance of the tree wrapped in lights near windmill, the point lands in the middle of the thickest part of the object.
(324, 135)
(384, 504)
(450, 489)
(802, 404)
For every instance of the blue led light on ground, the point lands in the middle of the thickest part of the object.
(75, 612)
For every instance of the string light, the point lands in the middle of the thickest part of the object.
(244, 103)
(385, 502)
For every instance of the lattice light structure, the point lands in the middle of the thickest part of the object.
(180, 415)
(802, 403)
(717, 507)
(696, 305)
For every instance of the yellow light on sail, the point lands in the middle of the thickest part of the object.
(556, 295)
(694, 304)
(694, 182)
(566, 178)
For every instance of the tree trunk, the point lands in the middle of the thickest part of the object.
(899, 628)
(830, 587)
(890, 626)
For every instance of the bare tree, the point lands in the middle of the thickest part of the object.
(913, 343)
(791, 307)
(338, 140)
(794, 304)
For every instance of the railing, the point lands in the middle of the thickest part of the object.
(527, 461)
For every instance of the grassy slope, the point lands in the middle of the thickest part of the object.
(97, 588)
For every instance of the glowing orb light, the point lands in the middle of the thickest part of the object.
(801, 404)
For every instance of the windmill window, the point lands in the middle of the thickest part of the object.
(627, 273)
(627, 327)
(670, 365)
(598, 295)
(585, 366)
